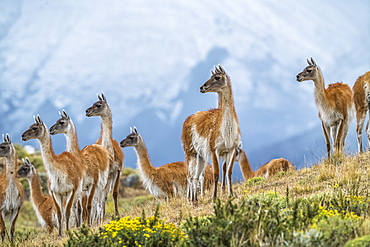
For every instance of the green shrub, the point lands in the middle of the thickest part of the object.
(127, 231)
(264, 219)
(255, 181)
(21, 152)
(128, 170)
(268, 219)
(84, 237)
(256, 221)
(359, 242)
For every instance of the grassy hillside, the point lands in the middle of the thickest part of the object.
(329, 200)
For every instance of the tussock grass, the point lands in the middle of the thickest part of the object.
(347, 175)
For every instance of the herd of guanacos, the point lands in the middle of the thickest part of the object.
(81, 179)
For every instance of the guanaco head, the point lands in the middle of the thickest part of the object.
(217, 81)
(6, 148)
(27, 170)
(99, 108)
(62, 124)
(132, 139)
(310, 72)
(35, 131)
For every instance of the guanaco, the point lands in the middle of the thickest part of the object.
(335, 105)
(11, 191)
(65, 172)
(42, 204)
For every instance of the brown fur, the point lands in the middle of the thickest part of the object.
(245, 166)
(269, 169)
(335, 105)
(273, 167)
(362, 104)
(208, 124)
(96, 160)
(170, 179)
(65, 163)
(208, 178)
(101, 108)
(8, 202)
(42, 203)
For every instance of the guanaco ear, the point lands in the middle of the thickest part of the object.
(313, 63)
(64, 114)
(25, 162)
(309, 62)
(103, 97)
(239, 148)
(221, 69)
(38, 119)
(216, 71)
(135, 131)
(7, 138)
(213, 73)
(28, 162)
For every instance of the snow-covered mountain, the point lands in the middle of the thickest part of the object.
(150, 58)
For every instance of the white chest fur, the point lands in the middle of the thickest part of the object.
(149, 183)
(200, 143)
(329, 116)
(229, 136)
(12, 199)
(59, 182)
(38, 215)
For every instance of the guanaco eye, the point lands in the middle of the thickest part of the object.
(61, 122)
(217, 78)
(34, 128)
(2, 147)
(98, 105)
(309, 70)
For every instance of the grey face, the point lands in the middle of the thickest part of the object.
(60, 126)
(307, 74)
(217, 81)
(24, 171)
(5, 149)
(310, 72)
(33, 132)
(214, 84)
(131, 140)
(97, 109)
(27, 169)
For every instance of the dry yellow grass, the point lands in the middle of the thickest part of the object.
(348, 174)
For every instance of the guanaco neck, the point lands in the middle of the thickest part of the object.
(245, 166)
(226, 101)
(72, 140)
(35, 188)
(48, 155)
(320, 94)
(11, 165)
(143, 161)
(106, 132)
(229, 123)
